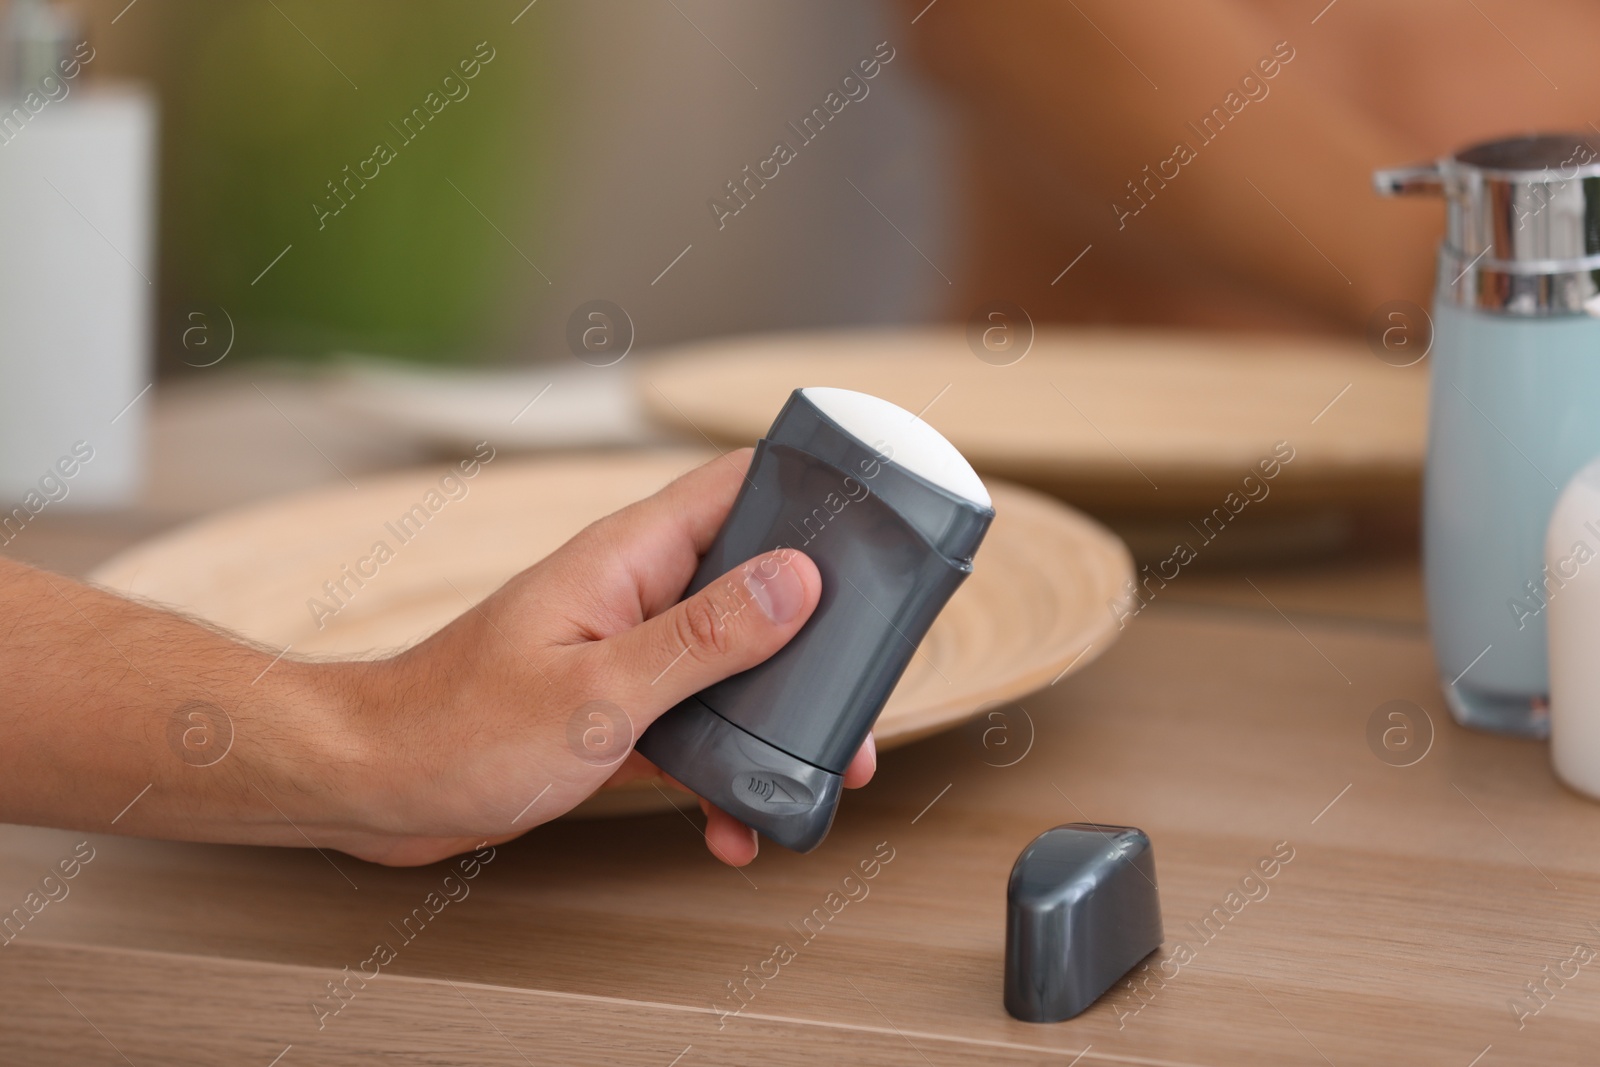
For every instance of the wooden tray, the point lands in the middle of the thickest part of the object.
(1159, 422)
(1035, 607)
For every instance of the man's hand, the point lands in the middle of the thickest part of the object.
(509, 716)
(527, 704)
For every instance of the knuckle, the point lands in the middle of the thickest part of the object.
(705, 629)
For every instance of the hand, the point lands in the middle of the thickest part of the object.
(530, 702)
(120, 717)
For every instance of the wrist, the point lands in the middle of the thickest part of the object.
(319, 775)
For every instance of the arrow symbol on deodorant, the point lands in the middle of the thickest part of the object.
(780, 795)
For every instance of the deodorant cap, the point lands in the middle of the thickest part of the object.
(1081, 910)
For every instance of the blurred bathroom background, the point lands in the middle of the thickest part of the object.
(579, 167)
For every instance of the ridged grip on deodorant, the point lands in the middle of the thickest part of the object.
(891, 547)
(787, 799)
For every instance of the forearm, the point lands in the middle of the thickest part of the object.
(119, 717)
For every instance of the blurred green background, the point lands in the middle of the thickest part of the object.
(265, 101)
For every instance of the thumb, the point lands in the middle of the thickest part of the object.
(736, 622)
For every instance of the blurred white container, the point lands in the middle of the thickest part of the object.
(1571, 594)
(76, 273)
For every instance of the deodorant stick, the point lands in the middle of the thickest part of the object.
(891, 514)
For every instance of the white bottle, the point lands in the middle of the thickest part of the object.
(76, 273)
(1570, 591)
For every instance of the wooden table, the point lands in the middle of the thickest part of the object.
(1230, 721)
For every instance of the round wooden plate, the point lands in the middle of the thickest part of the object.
(1130, 420)
(1035, 607)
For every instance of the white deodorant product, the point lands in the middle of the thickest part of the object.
(1569, 592)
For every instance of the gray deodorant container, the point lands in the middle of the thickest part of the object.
(891, 515)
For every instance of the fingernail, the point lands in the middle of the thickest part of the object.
(780, 596)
